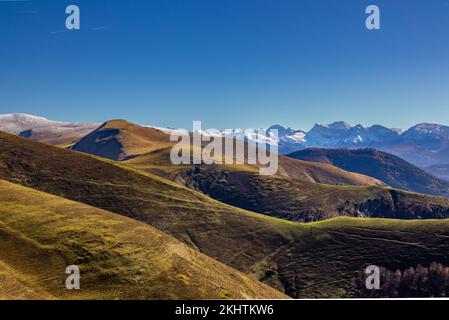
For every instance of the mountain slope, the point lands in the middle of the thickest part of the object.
(335, 252)
(188, 215)
(295, 200)
(424, 145)
(439, 170)
(383, 166)
(119, 139)
(44, 130)
(295, 194)
(118, 257)
(317, 260)
(158, 162)
(325, 173)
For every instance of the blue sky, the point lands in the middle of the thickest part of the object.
(229, 63)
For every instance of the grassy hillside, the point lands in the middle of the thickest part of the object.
(234, 236)
(329, 255)
(118, 257)
(388, 168)
(293, 195)
(304, 260)
(120, 139)
(158, 162)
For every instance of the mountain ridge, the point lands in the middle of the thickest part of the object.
(386, 167)
(423, 145)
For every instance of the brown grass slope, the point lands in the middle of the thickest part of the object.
(119, 258)
(236, 236)
(158, 162)
(323, 173)
(303, 260)
(120, 139)
(386, 167)
(294, 196)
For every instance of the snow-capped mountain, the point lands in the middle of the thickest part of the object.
(335, 135)
(17, 122)
(42, 129)
(424, 144)
(341, 135)
(427, 132)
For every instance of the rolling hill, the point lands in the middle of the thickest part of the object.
(295, 193)
(303, 260)
(120, 139)
(388, 168)
(119, 258)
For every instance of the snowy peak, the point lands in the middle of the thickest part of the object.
(282, 131)
(339, 125)
(427, 130)
(44, 130)
(340, 134)
(17, 122)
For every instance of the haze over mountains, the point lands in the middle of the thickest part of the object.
(423, 145)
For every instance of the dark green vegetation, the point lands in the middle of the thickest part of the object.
(386, 167)
(40, 235)
(419, 281)
(303, 260)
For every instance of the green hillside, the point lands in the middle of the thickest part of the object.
(119, 258)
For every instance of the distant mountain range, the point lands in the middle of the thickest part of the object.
(424, 145)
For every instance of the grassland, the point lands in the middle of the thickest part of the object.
(120, 139)
(303, 260)
(335, 252)
(158, 162)
(119, 258)
(386, 167)
(294, 194)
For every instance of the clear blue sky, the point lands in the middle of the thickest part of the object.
(229, 63)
